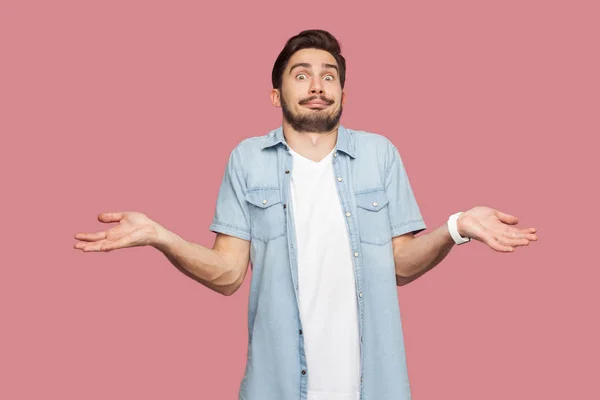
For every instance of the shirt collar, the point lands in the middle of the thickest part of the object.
(345, 141)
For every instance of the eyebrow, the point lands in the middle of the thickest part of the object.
(307, 65)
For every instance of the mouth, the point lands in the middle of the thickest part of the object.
(316, 102)
(316, 105)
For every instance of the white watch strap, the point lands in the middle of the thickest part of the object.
(453, 229)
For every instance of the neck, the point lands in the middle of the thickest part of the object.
(312, 145)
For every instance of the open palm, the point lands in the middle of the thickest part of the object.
(495, 228)
(134, 229)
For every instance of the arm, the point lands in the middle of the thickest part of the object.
(222, 268)
(415, 256)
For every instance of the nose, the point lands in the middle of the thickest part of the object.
(316, 86)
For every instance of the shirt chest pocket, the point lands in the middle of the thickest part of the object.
(373, 216)
(267, 216)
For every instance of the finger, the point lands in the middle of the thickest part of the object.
(527, 230)
(507, 218)
(496, 245)
(531, 236)
(110, 216)
(89, 237)
(493, 243)
(513, 233)
(511, 242)
(95, 246)
(125, 241)
(81, 245)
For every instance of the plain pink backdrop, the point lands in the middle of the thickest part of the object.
(135, 105)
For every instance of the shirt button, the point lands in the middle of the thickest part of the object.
(301, 331)
(347, 213)
(287, 171)
(264, 202)
(303, 372)
(359, 294)
(284, 206)
(361, 378)
(339, 178)
(374, 204)
(356, 254)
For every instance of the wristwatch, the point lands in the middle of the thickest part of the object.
(453, 229)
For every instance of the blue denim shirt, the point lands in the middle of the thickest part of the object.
(254, 204)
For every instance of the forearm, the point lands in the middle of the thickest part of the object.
(200, 263)
(422, 254)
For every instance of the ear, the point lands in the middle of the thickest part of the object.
(343, 98)
(275, 99)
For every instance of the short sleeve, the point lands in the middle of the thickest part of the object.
(405, 215)
(231, 212)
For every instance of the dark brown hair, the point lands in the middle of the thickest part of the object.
(308, 39)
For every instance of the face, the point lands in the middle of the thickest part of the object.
(311, 95)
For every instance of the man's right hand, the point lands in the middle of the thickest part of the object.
(134, 229)
(221, 268)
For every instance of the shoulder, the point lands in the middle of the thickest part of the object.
(251, 151)
(374, 146)
(255, 143)
(370, 139)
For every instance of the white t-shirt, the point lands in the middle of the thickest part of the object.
(326, 286)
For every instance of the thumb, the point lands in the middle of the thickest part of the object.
(110, 216)
(507, 218)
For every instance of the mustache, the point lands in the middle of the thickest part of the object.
(322, 98)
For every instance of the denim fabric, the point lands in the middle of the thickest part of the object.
(254, 204)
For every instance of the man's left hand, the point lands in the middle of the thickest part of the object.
(494, 228)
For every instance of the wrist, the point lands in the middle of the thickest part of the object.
(460, 225)
(455, 226)
(162, 238)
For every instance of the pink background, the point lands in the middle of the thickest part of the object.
(135, 105)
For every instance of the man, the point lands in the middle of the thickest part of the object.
(327, 217)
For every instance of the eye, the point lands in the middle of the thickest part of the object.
(301, 75)
(329, 76)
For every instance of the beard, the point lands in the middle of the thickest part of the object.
(315, 121)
